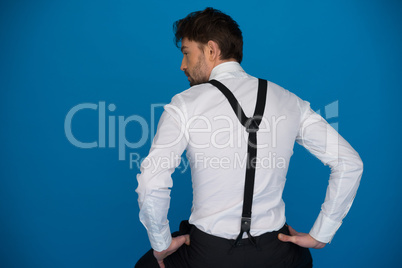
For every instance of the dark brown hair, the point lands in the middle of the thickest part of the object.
(211, 24)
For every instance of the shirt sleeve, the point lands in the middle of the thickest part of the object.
(323, 141)
(154, 181)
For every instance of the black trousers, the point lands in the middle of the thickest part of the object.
(208, 251)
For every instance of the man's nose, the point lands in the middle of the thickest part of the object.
(183, 66)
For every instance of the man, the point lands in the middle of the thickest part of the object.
(229, 150)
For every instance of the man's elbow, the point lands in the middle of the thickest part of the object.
(357, 165)
(361, 164)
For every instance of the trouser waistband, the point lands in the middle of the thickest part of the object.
(201, 236)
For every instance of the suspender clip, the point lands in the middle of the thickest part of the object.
(251, 125)
(245, 228)
(245, 224)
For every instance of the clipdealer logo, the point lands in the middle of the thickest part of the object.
(107, 124)
(110, 125)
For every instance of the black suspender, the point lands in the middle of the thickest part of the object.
(252, 126)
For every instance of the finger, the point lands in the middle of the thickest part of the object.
(292, 231)
(161, 264)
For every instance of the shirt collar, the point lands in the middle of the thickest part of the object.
(230, 69)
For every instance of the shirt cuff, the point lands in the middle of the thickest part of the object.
(160, 241)
(324, 228)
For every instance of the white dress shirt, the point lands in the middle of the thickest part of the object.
(201, 121)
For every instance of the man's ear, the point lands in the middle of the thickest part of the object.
(213, 51)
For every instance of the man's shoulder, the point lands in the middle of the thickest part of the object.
(278, 91)
(194, 93)
(207, 95)
(197, 90)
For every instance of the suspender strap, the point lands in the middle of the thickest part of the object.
(252, 126)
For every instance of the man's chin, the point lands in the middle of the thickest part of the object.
(191, 82)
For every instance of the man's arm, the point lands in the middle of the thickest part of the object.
(318, 137)
(155, 180)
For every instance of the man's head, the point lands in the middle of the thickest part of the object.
(207, 38)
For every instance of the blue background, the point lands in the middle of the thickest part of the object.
(64, 206)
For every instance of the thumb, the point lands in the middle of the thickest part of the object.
(187, 239)
(182, 239)
(285, 238)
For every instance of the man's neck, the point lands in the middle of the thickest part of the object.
(219, 62)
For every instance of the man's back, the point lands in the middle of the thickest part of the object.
(217, 150)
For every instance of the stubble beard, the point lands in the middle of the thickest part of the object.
(199, 73)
